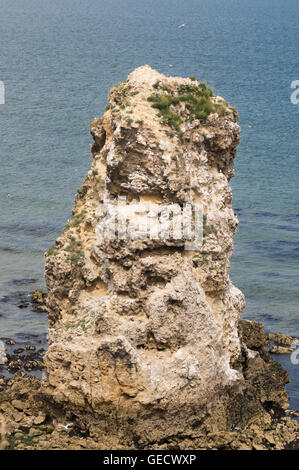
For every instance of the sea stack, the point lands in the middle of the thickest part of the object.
(145, 342)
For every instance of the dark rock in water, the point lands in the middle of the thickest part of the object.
(283, 344)
(18, 350)
(281, 339)
(27, 356)
(254, 337)
(32, 365)
(267, 377)
(14, 297)
(23, 347)
(38, 296)
(253, 333)
(281, 350)
(14, 365)
(38, 300)
(35, 300)
(23, 304)
(21, 282)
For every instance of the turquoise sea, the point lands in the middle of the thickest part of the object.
(58, 60)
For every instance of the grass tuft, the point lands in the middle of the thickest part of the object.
(197, 100)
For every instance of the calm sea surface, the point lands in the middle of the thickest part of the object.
(58, 60)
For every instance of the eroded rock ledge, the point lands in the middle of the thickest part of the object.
(29, 421)
(146, 347)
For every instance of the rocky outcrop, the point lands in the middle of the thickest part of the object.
(27, 422)
(145, 345)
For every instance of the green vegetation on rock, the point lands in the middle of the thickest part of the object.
(52, 250)
(197, 100)
(74, 248)
(75, 221)
(208, 229)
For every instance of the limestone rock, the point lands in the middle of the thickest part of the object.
(253, 333)
(144, 341)
(35, 427)
(281, 350)
(281, 339)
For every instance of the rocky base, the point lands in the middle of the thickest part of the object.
(28, 423)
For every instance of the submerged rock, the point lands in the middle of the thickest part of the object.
(145, 345)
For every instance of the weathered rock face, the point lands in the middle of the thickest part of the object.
(144, 338)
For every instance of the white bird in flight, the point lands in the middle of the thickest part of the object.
(182, 25)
